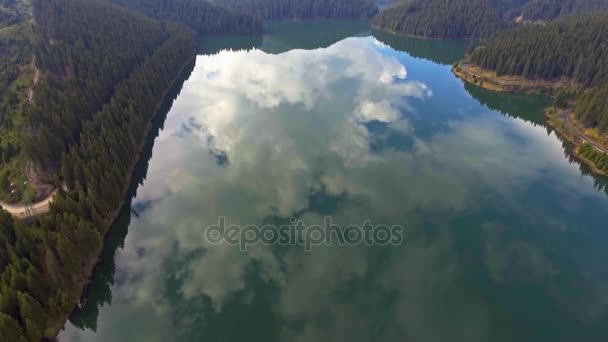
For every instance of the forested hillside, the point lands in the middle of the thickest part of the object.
(506, 8)
(592, 108)
(552, 9)
(16, 78)
(15, 52)
(442, 19)
(475, 18)
(574, 48)
(104, 71)
(199, 15)
(84, 50)
(384, 4)
(300, 9)
(13, 12)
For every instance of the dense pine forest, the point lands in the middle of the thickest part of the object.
(592, 108)
(16, 76)
(103, 67)
(301, 9)
(383, 4)
(13, 12)
(104, 70)
(476, 18)
(199, 15)
(15, 53)
(507, 7)
(599, 159)
(572, 48)
(83, 57)
(442, 19)
(576, 48)
(551, 9)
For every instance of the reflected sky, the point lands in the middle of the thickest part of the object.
(505, 240)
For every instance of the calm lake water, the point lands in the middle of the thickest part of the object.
(505, 234)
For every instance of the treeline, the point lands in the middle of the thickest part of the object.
(45, 265)
(552, 9)
(442, 19)
(301, 9)
(599, 159)
(199, 15)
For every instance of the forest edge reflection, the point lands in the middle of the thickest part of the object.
(107, 279)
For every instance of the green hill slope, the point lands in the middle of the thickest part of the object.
(103, 70)
(552, 9)
(199, 15)
(574, 48)
(442, 19)
(301, 9)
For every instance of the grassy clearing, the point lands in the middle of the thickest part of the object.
(488, 79)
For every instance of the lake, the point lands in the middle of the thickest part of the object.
(504, 234)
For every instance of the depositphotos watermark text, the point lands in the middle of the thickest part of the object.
(299, 234)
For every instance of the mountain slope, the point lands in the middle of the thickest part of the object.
(552, 9)
(14, 11)
(301, 9)
(103, 70)
(85, 48)
(199, 15)
(442, 19)
(575, 48)
(507, 7)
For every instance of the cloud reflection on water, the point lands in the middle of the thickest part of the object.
(295, 125)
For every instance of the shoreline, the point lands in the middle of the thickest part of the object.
(488, 80)
(408, 35)
(555, 119)
(589, 163)
(558, 119)
(84, 277)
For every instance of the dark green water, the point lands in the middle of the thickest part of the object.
(505, 234)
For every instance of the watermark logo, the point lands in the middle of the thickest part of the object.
(299, 234)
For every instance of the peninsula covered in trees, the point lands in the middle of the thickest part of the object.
(574, 49)
(571, 54)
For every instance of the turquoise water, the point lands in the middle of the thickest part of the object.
(505, 234)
